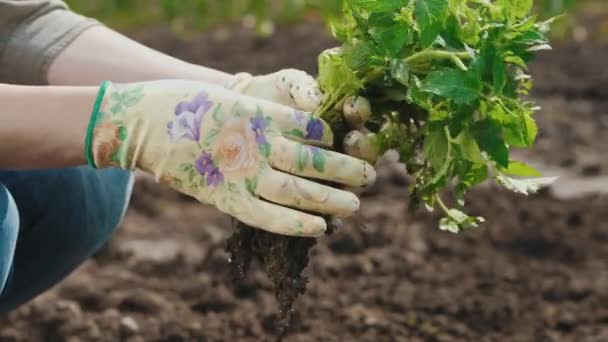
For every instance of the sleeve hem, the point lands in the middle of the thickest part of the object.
(60, 45)
(34, 45)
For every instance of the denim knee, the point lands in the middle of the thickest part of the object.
(103, 197)
(79, 196)
(65, 216)
(9, 229)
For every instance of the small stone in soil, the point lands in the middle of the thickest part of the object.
(128, 326)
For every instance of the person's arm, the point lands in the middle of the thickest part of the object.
(100, 54)
(44, 127)
(42, 42)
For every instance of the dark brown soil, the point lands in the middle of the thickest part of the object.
(537, 271)
(281, 258)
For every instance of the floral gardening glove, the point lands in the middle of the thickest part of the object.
(238, 153)
(300, 90)
(289, 87)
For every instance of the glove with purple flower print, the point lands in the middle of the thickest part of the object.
(243, 155)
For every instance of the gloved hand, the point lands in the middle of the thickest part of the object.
(238, 153)
(288, 87)
(297, 89)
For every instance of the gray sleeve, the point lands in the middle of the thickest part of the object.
(32, 34)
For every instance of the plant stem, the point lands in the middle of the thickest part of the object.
(371, 75)
(437, 54)
(443, 207)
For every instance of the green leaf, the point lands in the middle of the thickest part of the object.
(469, 147)
(441, 175)
(477, 173)
(318, 160)
(400, 72)
(484, 61)
(499, 75)
(516, 168)
(516, 9)
(469, 175)
(392, 39)
(525, 186)
(457, 221)
(517, 61)
(364, 55)
(531, 37)
(381, 19)
(336, 79)
(436, 148)
(521, 132)
(470, 30)
(454, 84)
(531, 130)
(430, 15)
(488, 136)
(378, 6)
(448, 225)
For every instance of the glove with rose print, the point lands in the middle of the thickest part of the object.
(246, 156)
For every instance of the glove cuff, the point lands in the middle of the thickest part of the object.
(88, 145)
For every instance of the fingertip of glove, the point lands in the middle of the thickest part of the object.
(316, 228)
(352, 205)
(328, 134)
(369, 174)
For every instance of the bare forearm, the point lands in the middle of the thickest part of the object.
(100, 54)
(43, 127)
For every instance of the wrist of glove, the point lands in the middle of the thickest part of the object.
(300, 90)
(247, 156)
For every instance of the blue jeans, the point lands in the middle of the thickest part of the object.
(51, 221)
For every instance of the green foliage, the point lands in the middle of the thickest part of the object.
(454, 84)
(196, 15)
(201, 14)
(445, 79)
(188, 15)
(556, 6)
